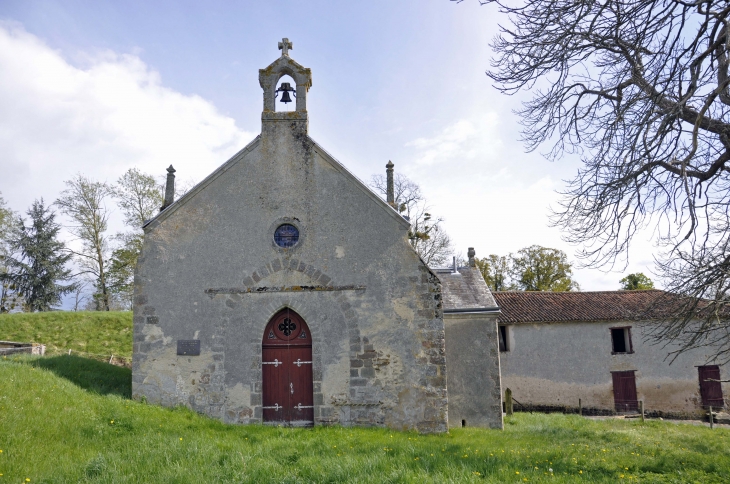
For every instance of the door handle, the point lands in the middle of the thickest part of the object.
(291, 386)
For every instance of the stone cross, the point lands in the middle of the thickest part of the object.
(285, 45)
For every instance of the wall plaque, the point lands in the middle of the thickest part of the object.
(188, 347)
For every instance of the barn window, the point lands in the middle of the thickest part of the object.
(503, 346)
(621, 340)
(286, 235)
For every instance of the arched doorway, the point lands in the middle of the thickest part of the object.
(287, 371)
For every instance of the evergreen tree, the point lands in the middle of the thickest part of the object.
(37, 264)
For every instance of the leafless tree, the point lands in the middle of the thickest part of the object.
(639, 89)
(426, 234)
(83, 202)
(80, 296)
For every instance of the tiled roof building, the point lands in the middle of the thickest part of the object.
(528, 307)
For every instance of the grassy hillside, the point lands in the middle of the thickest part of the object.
(67, 419)
(101, 333)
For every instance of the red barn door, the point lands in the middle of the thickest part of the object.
(287, 371)
(624, 391)
(710, 386)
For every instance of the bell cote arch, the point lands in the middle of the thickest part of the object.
(269, 78)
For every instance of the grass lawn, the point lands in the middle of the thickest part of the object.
(96, 332)
(70, 419)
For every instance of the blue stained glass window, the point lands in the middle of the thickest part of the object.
(286, 236)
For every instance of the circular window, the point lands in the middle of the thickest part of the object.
(286, 235)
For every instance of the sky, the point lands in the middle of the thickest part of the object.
(98, 87)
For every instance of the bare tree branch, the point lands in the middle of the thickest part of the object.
(640, 90)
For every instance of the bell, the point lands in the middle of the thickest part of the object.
(285, 88)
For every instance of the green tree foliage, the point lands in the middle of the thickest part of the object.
(9, 298)
(83, 201)
(121, 268)
(537, 268)
(140, 198)
(634, 282)
(37, 264)
(496, 272)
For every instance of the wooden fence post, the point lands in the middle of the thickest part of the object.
(580, 407)
(641, 407)
(508, 401)
(712, 420)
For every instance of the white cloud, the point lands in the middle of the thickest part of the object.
(496, 198)
(466, 139)
(57, 119)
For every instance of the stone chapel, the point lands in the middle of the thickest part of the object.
(282, 290)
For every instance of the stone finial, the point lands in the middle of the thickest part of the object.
(390, 193)
(285, 45)
(169, 188)
(471, 253)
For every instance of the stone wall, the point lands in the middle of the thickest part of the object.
(472, 346)
(210, 271)
(559, 363)
(13, 347)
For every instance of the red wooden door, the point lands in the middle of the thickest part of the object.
(624, 391)
(287, 371)
(710, 386)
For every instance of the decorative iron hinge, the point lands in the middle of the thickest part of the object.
(299, 362)
(276, 362)
(299, 406)
(276, 407)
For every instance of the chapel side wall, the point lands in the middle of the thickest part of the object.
(559, 363)
(474, 386)
(378, 355)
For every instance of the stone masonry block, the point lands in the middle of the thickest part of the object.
(367, 373)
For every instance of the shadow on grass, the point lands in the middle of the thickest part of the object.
(91, 375)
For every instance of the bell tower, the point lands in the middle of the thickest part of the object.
(269, 78)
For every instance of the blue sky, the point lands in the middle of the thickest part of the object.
(99, 87)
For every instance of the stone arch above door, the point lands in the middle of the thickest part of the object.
(277, 265)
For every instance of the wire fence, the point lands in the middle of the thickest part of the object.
(116, 360)
(627, 410)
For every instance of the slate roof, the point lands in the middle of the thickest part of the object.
(528, 307)
(465, 291)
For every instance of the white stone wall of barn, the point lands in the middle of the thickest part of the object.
(557, 364)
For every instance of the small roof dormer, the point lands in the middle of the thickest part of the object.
(269, 78)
